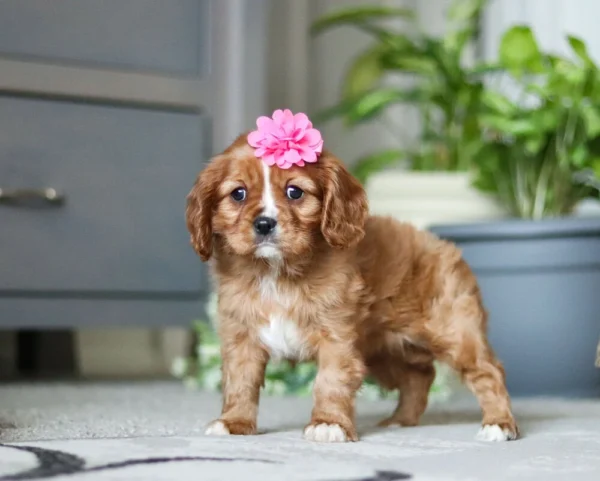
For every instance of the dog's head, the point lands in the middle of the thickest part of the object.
(273, 213)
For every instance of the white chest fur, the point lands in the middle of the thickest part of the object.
(281, 336)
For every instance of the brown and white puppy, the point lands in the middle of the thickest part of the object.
(304, 272)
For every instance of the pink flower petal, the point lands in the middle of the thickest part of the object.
(255, 138)
(278, 116)
(312, 137)
(319, 147)
(279, 157)
(301, 121)
(269, 159)
(308, 154)
(292, 156)
(287, 123)
(298, 135)
(264, 123)
(271, 138)
(260, 151)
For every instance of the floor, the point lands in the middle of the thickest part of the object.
(154, 431)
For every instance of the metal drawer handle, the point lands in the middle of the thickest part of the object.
(47, 196)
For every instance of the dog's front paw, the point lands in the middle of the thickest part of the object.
(329, 433)
(222, 427)
(217, 428)
(497, 433)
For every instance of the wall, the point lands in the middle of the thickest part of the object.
(331, 53)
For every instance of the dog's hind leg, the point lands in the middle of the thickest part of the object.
(412, 380)
(461, 342)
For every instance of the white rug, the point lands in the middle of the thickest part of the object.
(155, 432)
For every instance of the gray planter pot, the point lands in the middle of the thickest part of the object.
(541, 285)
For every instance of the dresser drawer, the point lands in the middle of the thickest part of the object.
(124, 173)
(169, 36)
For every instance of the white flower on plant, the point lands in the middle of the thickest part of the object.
(208, 352)
(179, 367)
(211, 379)
(276, 387)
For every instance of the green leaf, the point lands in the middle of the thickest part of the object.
(402, 43)
(594, 92)
(540, 90)
(519, 50)
(372, 103)
(372, 163)
(579, 156)
(489, 163)
(340, 109)
(455, 41)
(535, 144)
(391, 39)
(579, 48)
(590, 83)
(364, 72)
(517, 127)
(594, 147)
(463, 10)
(498, 102)
(566, 80)
(357, 15)
(483, 69)
(555, 60)
(367, 105)
(418, 64)
(545, 119)
(591, 116)
(563, 65)
(596, 169)
(522, 127)
(447, 64)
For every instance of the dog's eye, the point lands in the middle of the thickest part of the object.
(239, 194)
(294, 192)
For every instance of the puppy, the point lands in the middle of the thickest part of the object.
(304, 273)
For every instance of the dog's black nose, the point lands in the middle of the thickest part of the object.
(264, 225)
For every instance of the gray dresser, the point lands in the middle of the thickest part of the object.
(108, 108)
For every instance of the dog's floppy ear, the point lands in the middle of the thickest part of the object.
(200, 206)
(345, 207)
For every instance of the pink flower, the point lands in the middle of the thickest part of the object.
(286, 140)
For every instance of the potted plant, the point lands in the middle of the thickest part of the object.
(433, 183)
(540, 273)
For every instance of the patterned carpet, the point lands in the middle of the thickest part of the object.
(154, 431)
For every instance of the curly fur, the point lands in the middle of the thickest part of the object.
(362, 293)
